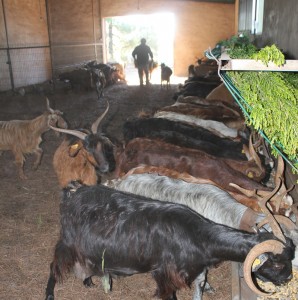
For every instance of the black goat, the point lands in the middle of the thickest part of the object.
(99, 80)
(107, 232)
(166, 73)
(197, 87)
(183, 135)
(108, 71)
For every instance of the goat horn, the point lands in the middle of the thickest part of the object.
(283, 220)
(254, 154)
(48, 106)
(262, 203)
(278, 198)
(272, 221)
(252, 193)
(77, 133)
(260, 193)
(248, 193)
(279, 169)
(96, 123)
(295, 211)
(273, 246)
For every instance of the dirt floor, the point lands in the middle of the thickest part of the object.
(29, 224)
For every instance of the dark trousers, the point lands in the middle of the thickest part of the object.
(144, 68)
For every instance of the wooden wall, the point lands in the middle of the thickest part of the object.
(75, 32)
(45, 37)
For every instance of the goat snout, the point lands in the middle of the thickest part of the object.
(103, 168)
(290, 277)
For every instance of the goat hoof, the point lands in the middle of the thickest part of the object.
(50, 297)
(209, 289)
(88, 282)
(35, 167)
(23, 177)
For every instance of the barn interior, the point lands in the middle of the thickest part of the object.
(40, 40)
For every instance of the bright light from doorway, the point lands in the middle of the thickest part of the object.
(124, 33)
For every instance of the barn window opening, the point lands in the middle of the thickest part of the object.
(123, 34)
(251, 13)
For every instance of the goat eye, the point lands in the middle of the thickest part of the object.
(278, 266)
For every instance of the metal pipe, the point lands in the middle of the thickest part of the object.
(7, 49)
(49, 35)
(22, 48)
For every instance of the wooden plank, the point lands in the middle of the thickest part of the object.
(240, 290)
(235, 282)
(253, 65)
(228, 64)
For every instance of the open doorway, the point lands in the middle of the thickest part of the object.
(123, 34)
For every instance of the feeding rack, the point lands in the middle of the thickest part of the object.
(225, 64)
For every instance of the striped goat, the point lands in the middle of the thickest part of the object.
(24, 136)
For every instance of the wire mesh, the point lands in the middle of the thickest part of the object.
(30, 66)
(5, 82)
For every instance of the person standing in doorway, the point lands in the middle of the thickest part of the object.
(141, 55)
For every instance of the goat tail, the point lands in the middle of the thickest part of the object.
(64, 260)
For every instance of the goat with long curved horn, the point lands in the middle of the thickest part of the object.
(273, 246)
(95, 125)
(81, 135)
(84, 158)
(48, 106)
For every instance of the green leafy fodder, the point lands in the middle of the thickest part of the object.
(270, 54)
(272, 102)
(239, 47)
(270, 98)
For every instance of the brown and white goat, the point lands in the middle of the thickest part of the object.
(24, 136)
(83, 154)
(207, 112)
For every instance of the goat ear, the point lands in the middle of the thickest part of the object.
(74, 149)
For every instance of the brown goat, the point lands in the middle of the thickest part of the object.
(82, 155)
(24, 136)
(196, 163)
(152, 66)
(119, 73)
